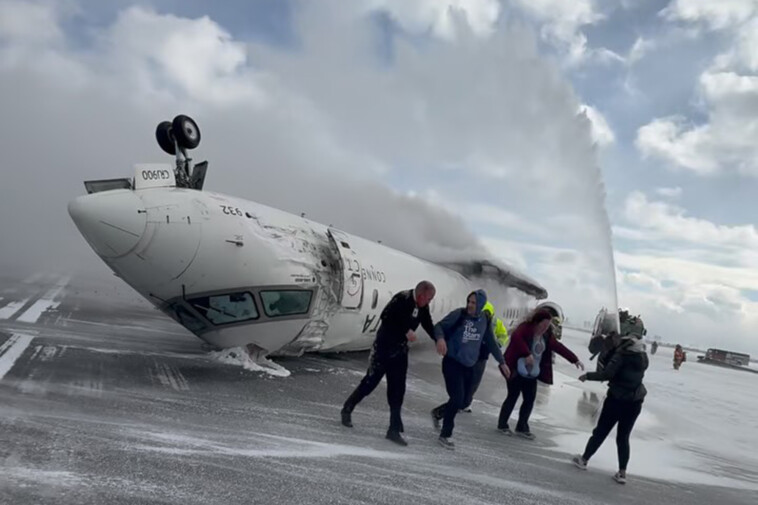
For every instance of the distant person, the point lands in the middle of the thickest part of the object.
(389, 354)
(501, 337)
(623, 403)
(460, 337)
(679, 356)
(654, 347)
(529, 358)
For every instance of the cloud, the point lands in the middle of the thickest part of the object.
(690, 302)
(602, 133)
(194, 58)
(640, 49)
(32, 23)
(670, 222)
(441, 17)
(562, 23)
(714, 14)
(673, 140)
(673, 193)
(688, 275)
(319, 129)
(727, 90)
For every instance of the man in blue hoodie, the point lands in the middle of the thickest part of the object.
(461, 335)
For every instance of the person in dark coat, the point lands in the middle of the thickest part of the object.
(389, 353)
(528, 356)
(624, 372)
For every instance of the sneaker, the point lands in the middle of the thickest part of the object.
(528, 435)
(446, 443)
(436, 419)
(467, 410)
(579, 462)
(505, 431)
(346, 418)
(620, 478)
(396, 437)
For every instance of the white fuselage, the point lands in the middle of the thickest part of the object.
(236, 273)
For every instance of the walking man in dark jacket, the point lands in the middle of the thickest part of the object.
(389, 354)
(624, 372)
(460, 337)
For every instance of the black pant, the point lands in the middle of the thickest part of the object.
(614, 411)
(476, 379)
(458, 381)
(516, 386)
(395, 366)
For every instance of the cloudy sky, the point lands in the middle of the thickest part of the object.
(555, 135)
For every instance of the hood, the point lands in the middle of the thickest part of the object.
(489, 309)
(481, 300)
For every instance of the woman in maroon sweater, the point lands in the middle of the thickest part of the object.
(529, 357)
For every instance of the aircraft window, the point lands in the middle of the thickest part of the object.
(286, 302)
(187, 319)
(375, 299)
(227, 308)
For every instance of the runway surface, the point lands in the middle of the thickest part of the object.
(105, 400)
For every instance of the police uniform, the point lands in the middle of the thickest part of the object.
(389, 355)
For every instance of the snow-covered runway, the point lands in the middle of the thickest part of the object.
(110, 402)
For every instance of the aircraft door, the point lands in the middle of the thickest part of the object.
(351, 294)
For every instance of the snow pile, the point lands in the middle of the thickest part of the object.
(239, 356)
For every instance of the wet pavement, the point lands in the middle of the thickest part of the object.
(105, 400)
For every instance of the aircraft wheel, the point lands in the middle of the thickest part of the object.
(186, 131)
(165, 138)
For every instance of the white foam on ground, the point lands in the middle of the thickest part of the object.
(103, 350)
(238, 356)
(12, 308)
(38, 476)
(266, 446)
(47, 302)
(697, 425)
(11, 350)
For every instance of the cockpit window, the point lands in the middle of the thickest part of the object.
(286, 302)
(187, 319)
(227, 308)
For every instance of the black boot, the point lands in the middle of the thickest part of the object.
(396, 437)
(396, 421)
(346, 416)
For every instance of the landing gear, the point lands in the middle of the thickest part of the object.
(186, 132)
(176, 138)
(165, 138)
